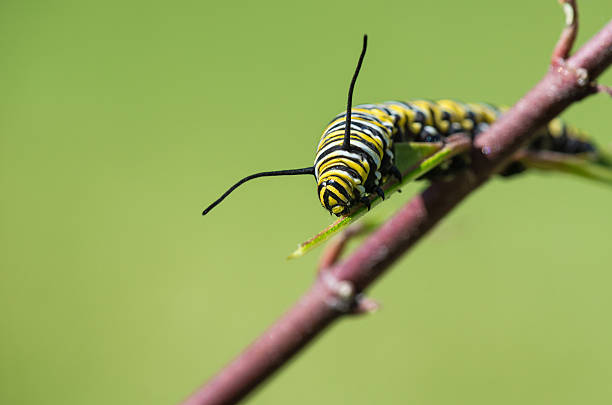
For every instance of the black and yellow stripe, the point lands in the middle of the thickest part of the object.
(355, 155)
(344, 177)
(347, 176)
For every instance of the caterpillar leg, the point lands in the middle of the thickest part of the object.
(365, 201)
(380, 193)
(512, 169)
(395, 173)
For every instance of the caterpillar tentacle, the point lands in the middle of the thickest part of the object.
(355, 155)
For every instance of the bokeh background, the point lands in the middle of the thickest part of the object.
(121, 120)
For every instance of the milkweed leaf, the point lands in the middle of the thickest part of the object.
(586, 165)
(413, 159)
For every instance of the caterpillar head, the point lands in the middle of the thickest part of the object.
(336, 195)
(337, 190)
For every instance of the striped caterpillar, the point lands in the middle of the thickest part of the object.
(355, 155)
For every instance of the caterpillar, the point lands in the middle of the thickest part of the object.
(355, 155)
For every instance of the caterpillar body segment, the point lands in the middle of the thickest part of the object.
(355, 155)
(561, 137)
(346, 176)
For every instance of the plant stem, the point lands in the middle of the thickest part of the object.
(336, 290)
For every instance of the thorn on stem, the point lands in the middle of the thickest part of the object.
(564, 68)
(343, 292)
(365, 305)
(344, 298)
(582, 76)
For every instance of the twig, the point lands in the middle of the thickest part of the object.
(602, 88)
(312, 313)
(321, 305)
(334, 249)
(568, 35)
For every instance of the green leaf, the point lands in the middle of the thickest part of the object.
(413, 159)
(586, 165)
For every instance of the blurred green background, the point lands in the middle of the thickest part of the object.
(120, 121)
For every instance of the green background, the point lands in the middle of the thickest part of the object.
(120, 121)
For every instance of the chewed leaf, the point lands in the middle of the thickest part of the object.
(413, 159)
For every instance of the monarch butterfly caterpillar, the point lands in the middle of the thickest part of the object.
(355, 155)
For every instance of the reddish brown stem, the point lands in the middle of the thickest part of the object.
(333, 293)
(295, 329)
(569, 33)
(602, 88)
